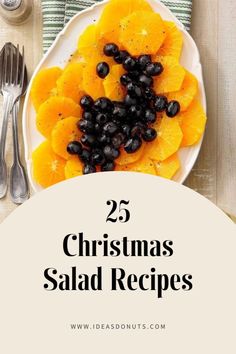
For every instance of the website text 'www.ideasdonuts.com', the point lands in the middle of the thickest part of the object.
(117, 326)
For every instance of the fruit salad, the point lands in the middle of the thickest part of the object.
(123, 103)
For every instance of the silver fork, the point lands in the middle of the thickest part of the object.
(19, 188)
(11, 87)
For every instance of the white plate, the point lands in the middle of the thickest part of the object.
(65, 45)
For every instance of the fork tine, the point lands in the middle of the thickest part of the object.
(1, 65)
(17, 64)
(11, 81)
(23, 68)
(4, 79)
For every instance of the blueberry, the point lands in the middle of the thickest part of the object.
(103, 104)
(150, 116)
(97, 128)
(126, 129)
(74, 148)
(116, 121)
(143, 60)
(86, 102)
(86, 126)
(134, 75)
(118, 140)
(88, 140)
(97, 157)
(110, 49)
(125, 79)
(88, 168)
(119, 111)
(149, 94)
(154, 69)
(144, 103)
(172, 109)
(135, 112)
(149, 134)
(87, 115)
(134, 90)
(110, 152)
(102, 69)
(160, 103)
(102, 118)
(145, 80)
(103, 139)
(85, 155)
(108, 166)
(129, 64)
(121, 56)
(130, 101)
(110, 128)
(137, 130)
(133, 144)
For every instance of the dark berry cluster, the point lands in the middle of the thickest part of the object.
(109, 125)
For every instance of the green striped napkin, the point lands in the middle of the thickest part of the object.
(56, 13)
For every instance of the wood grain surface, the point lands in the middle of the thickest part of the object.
(214, 31)
(213, 28)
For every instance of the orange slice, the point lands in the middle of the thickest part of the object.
(187, 92)
(44, 85)
(169, 167)
(53, 110)
(70, 82)
(92, 83)
(126, 159)
(91, 44)
(143, 165)
(192, 123)
(73, 167)
(168, 140)
(64, 132)
(48, 168)
(112, 85)
(74, 58)
(173, 43)
(171, 78)
(114, 12)
(142, 32)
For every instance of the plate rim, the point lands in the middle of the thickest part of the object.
(47, 54)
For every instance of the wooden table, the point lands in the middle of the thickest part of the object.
(213, 28)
